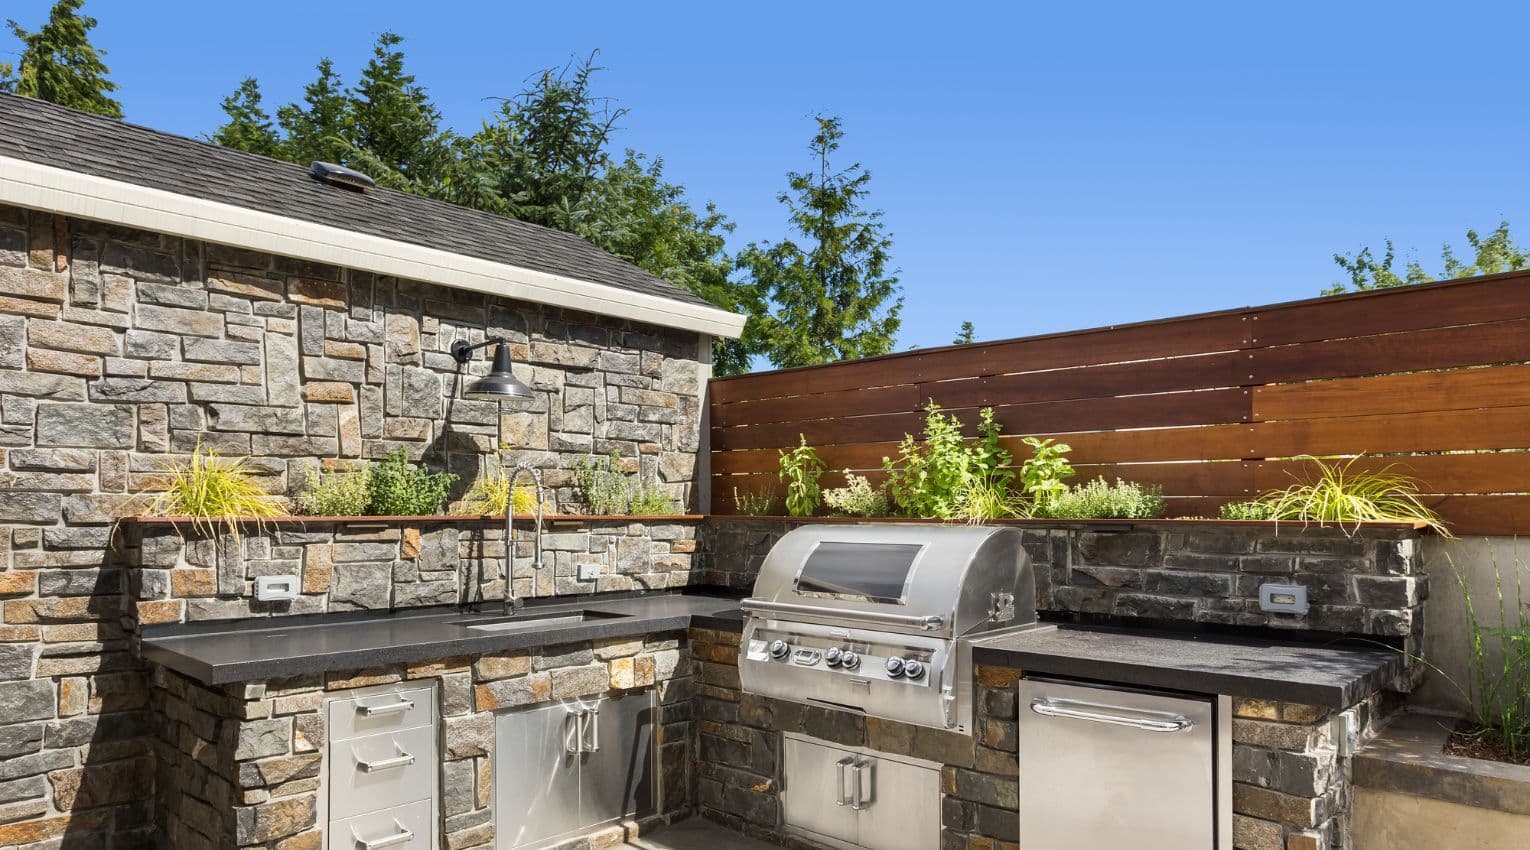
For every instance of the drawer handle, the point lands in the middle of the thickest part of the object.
(403, 836)
(858, 784)
(400, 707)
(573, 731)
(839, 788)
(1084, 711)
(403, 759)
(589, 742)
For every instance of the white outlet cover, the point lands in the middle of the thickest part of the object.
(276, 588)
(589, 572)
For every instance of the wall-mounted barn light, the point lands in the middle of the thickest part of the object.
(500, 384)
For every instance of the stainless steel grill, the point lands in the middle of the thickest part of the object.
(878, 619)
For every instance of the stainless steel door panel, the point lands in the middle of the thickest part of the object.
(817, 794)
(900, 805)
(536, 776)
(377, 771)
(1102, 767)
(407, 827)
(383, 712)
(617, 774)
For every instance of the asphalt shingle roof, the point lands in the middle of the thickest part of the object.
(52, 135)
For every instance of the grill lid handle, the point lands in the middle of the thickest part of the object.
(926, 622)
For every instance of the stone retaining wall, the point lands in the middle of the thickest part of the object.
(177, 575)
(239, 765)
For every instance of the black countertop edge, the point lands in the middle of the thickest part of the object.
(1337, 695)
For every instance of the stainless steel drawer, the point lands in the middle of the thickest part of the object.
(385, 712)
(377, 771)
(406, 827)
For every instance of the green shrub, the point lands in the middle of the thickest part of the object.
(400, 488)
(608, 491)
(1043, 473)
(1099, 499)
(337, 494)
(932, 475)
(856, 498)
(799, 469)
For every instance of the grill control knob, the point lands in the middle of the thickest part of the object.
(849, 660)
(833, 657)
(778, 649)
(895, 667)
(913, 669)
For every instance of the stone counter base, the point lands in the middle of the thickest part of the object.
(239, 766)
(1291, 789)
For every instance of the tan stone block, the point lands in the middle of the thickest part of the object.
(73, 697)
(298, 703)
(409, 545)
(1257, 709)
(998, 677)
(643, 670)
(18, 583)
(682, 546)
(318, 568)
(16, 634)
(1306, 841)
(491, 667)
(63, 363)
(23, 307)
(320, 293)
(160, 611)
(623, 674)
(248, 286)
(1293, 713)
(344, 350)
(329, 391)
(361, 679)
(187, 582)
(1267, 804)
(307, 841)
(609, 648)
(1253, 834)
(80, 825)
(485, 783)
(68, 336)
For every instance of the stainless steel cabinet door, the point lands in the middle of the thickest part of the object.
(817, 795)
(1101, 767)
(536, 777)
(900, 808)
(618, 769)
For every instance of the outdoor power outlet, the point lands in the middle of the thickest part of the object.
(276, 588)
(1283, 598)
(589, 572)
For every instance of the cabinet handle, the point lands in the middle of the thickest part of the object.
(403, 836)
(839, 786)
(859, 801)
(590, 741)
(573, 730)
(403, 759)
(399, 707)
(1095, 713)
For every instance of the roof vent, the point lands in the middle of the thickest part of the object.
(339, 175)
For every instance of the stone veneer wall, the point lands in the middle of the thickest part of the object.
(179, 576)
(239, 765)
(120, 347)
(1291, 788)
(1369, 582)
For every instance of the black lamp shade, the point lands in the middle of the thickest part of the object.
(500, 384)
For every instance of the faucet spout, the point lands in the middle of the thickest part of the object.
(513, 602)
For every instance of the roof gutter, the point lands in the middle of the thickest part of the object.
(72, 193)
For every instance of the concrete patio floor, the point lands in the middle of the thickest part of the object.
(698, 834)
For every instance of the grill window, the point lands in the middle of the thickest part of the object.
(874, 572)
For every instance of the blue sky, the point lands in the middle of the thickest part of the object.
(1042, 166)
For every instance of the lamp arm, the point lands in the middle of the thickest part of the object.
(462, 350)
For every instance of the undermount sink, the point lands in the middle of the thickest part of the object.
(519, 622)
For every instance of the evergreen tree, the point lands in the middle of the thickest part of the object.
(964, 336)
(318, 130)
(60, 65)
(1497, 252)
(833, 297)
(248, 127)
(395, 134)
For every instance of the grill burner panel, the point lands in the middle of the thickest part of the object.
(878, 619)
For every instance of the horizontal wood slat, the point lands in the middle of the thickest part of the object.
(1209, 407)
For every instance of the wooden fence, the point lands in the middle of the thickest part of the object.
(1433, 378)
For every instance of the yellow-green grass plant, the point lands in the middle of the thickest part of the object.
(491, 493)
(215, 493)
(1336, 492)
(988, 497)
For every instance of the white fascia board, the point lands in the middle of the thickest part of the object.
(71, 193)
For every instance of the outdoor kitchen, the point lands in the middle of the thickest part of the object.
(616, 653)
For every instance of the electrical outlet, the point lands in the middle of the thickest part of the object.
(276, 588)
(1283, 598)
(589, 572)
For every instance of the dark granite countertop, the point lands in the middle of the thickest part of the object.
(249, 650)
(1324, 675)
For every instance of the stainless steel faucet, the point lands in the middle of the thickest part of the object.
(514, 603)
